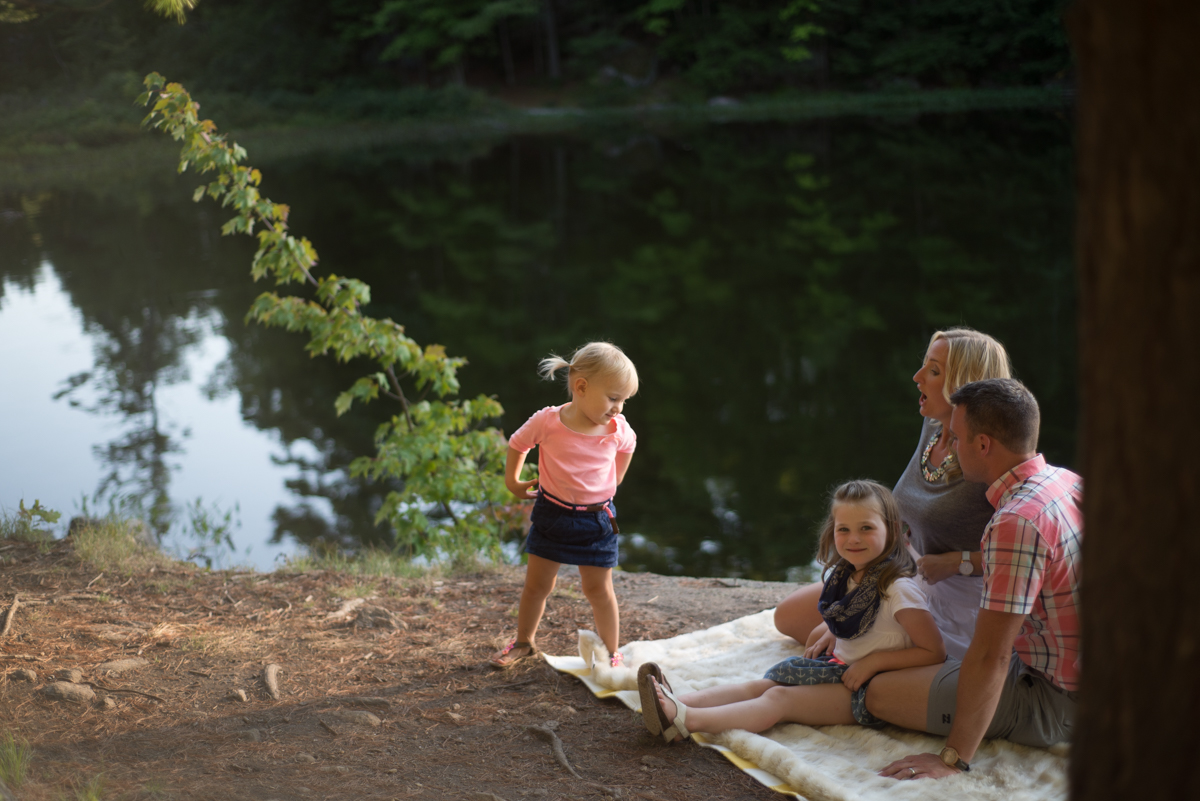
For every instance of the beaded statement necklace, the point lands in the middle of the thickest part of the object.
(936, 474)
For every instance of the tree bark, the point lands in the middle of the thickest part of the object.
(506, 56)
(1138, 253)
(552, 63)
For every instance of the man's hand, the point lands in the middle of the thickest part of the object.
(919, 766)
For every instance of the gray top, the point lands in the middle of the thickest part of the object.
(943, 516)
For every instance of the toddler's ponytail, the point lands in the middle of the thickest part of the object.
(592, 360)
(552, 364)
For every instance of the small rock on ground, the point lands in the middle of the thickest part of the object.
(355, 717)
(122, 665)
(66, 691)
(23, 674)
(71, 675)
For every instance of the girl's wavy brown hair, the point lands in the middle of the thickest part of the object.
(865, 491)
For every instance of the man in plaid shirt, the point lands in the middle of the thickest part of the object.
(1030, 604)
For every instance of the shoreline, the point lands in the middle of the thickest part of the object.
(129, 151)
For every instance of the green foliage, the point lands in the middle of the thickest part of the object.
(281, 52)
(212, 530)
(38, 511)
(117, 545)
(449, 462)
(91, 790)
(802, 31)
(14, 760)
(441, 28)
(23, 525)
(172, 8)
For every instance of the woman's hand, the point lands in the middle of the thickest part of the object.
(939, 566)
(820, 641)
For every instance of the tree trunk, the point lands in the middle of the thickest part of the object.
(1138, 252)
(551, 40)
(506, 56)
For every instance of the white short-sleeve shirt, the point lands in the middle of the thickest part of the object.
(886, 634)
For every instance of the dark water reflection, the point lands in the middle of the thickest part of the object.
(775, 284)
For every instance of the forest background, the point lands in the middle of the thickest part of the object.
(474, 228)
(69, 67)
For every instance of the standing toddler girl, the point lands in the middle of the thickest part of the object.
(874, 609)
(585, 447)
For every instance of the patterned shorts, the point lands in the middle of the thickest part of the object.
(825, 669)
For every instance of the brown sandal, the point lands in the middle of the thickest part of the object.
(498, 660)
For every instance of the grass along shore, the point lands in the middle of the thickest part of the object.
(68, 143)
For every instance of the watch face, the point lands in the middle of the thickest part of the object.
(966, 568)
(949, 756)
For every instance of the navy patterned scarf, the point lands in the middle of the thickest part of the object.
(850, 614)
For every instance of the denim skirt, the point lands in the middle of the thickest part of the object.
(824, 669)
(572, 538)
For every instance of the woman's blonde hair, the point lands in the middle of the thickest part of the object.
(970, 356)
(593, 360)
(865, 491)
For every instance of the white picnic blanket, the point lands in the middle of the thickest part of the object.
(827, 763)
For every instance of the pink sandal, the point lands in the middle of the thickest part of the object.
(498, 660)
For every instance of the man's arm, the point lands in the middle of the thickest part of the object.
(981, 679)
(980, 683)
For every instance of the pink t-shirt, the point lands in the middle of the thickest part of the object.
(578, 468)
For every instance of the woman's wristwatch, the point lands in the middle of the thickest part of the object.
(966, 567)
(952, 759)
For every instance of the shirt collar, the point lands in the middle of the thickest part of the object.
(1001, 487)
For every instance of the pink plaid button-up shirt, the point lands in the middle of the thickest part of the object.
(1031, 563)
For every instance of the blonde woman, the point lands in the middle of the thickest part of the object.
(944, 515)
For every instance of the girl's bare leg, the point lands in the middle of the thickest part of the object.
(797, 615)
(598, 589)
(814, 705)
(727, 693)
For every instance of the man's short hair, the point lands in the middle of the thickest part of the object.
(1002, 408)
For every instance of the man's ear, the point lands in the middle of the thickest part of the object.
(984, 443)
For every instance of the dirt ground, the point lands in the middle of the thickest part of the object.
(363, 712)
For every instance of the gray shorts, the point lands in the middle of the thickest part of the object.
(1032, 711)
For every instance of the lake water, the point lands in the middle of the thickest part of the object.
(776, 285)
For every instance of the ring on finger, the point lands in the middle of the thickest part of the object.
(912, 773)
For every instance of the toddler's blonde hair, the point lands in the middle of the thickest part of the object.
(593, 360)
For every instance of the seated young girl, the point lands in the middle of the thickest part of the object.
(875, 611)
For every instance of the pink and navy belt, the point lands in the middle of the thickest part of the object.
(605, 506)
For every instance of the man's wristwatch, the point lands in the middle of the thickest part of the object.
(966, 567)
(951, 758)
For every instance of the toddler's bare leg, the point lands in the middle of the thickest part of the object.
(540, 576)
(598, 589)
